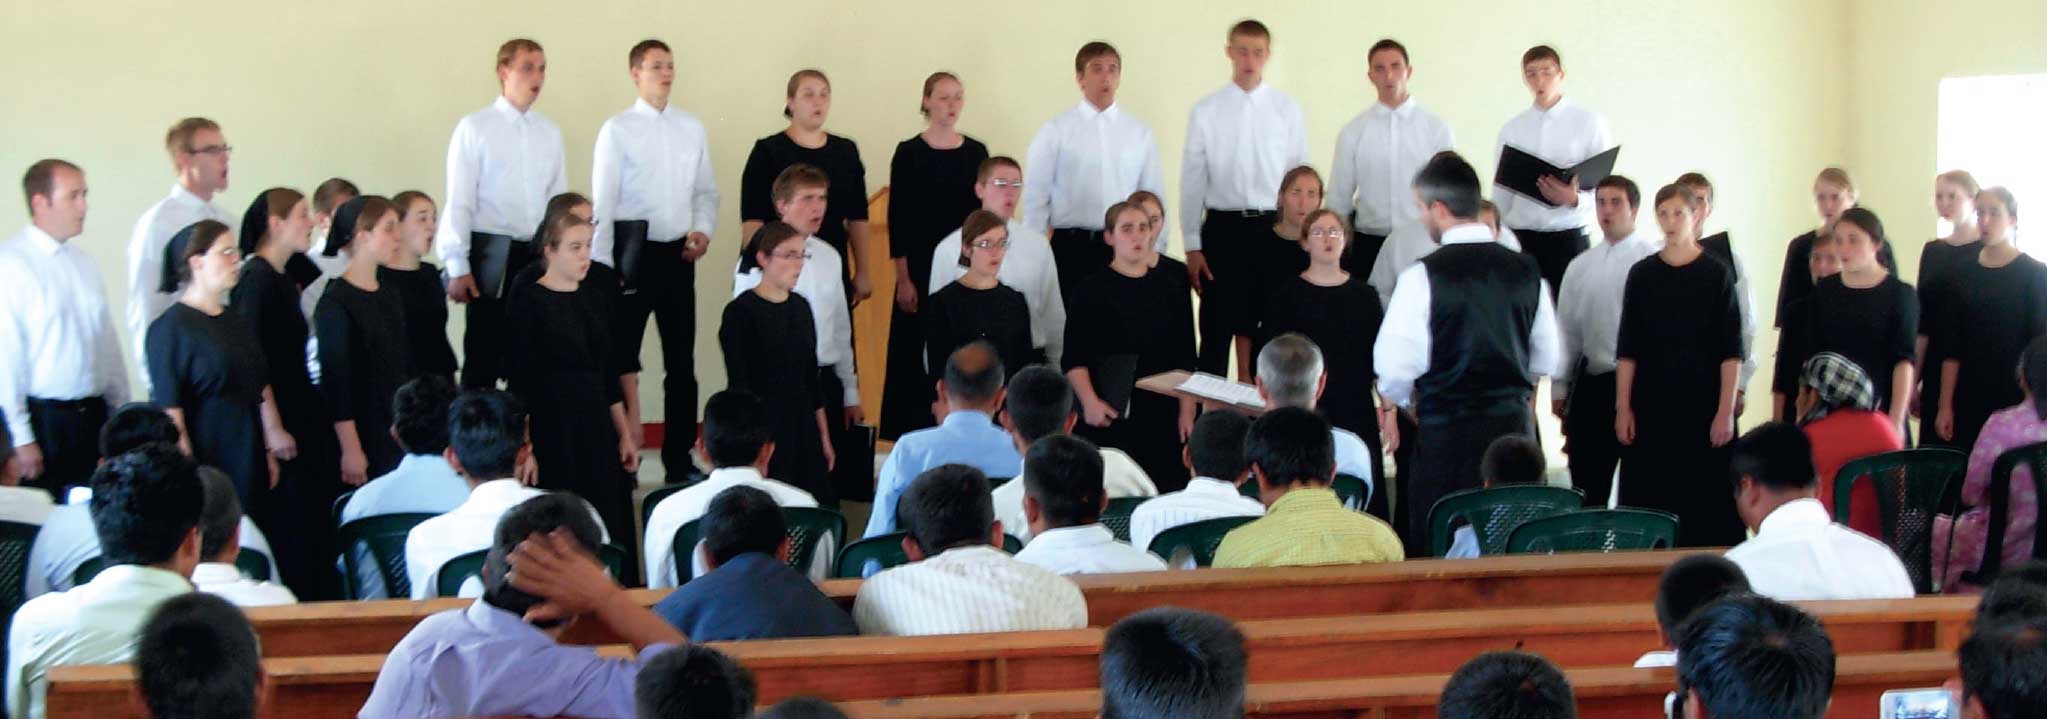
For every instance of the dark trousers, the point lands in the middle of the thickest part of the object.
(484, 338)
(1553, 252)
(1076, 254)
(667, 290)
(844, 480)
(1228, 303)
(1593, 449)
(1362, 252)
(1403, 470)
(1447, 458)
(68, 433)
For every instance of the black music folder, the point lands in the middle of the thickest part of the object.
(1519, 170)
(628, 240)
(1115, 379)
(490, 259)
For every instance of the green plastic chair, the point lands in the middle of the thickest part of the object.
(1595, 530)
(2034, 458)
(252, 563)
(1494, 512)
(383, 536)
(15, 540)
(657, 494)
(886, 550)
(994, 482)
(1117, 516)
(1910, 485)
(1354, 492)
(341, 503)
(454, 572)
(1196, 540)
(808, 529)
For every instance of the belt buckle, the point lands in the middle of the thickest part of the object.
(1251, 214)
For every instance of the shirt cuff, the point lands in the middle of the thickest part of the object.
(455, 267)
(1191, 241)
(21, 430)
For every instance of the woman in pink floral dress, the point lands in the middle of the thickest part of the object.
(2015, 426)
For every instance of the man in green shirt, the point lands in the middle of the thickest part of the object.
(1294, 459)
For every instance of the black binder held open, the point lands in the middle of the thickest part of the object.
(1519, 170)
(628, 241)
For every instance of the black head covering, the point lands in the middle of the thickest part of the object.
(342, 230)
(174, 258)
(255, 222)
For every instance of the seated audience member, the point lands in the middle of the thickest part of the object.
(1798, 552)
(1304, 523)
(1291, 374)
(2002, 665)
(749, 591)
(424, 481)
(501, 656)
(1962, 539)
(1215, 457)
(737, 439)
(2018, 594)
(968, 434)
(1687, 585)
(219, 544)
(145, 506)
(1837, 411)
(693, 682)
(1064, 501)
(26, 505)
(959, 581)
(1507, 685)
(197, 656)
(803, 708)
(1511, 459)
(1173, 663)
(486, 442)
(1039, 404)
(1753, 656)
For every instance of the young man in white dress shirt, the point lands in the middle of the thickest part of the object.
(737, 442)
(959, 581)
(1589, 319)
(1241, 141)
(1377, 154)
(1064, 501)
(60, 356)
(1028, 268)
(1215, 457)
(1082, 161)
(656, 207)
(504, 162)
(219, 544)
(200, 154)
(1798, 552)
(1039, 404)
(1551, 228)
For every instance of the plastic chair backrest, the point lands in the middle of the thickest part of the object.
(1909, 485)
(1595, 530)
(1494, 512)
(1196, 540)
(1117, 516)
(809, 528)
(886, 550)
(383, 536)
(454, 572)
(341, 503)
(654, 497)
(15, 540)
(1354, 492)
(994, 482)
(2034, 458)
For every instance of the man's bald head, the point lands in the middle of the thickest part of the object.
(974, 377)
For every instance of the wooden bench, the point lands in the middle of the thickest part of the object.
(1324, 648)
(340, 628)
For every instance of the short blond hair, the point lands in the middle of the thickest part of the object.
(179, 139)
(511, 49)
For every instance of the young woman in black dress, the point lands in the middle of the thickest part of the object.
(1139, 321)
(770, 345)
(364, 353)
(419, 284)
(808, 102)
(1340, 313)
(1989, 324)
(1866, 313)
(1278, 263)
(1940, 262)
(1679, 363)
(931, 190)
(1833, 192)
(977, 306)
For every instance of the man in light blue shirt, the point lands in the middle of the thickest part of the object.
(972, 389)
(423, 482)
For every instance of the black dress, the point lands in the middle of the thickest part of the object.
(839, 158)
(267, 302)
(771, 351)
(1939, 266)
(364, 358)
(426, 317)
(1343, 321)
(1148, 320)
(1876, 328)
(210, 367)
(1987, 328)
(1678, 326)
(931, 192)
(1796, 282)
(958, 314)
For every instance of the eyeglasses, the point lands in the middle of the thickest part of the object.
(991, 244)
(1328, 233)
(230, 251)
(791, 256)
(1001, 184)
(213, 150)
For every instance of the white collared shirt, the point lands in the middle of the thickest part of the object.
(503, 167)
(1377, 155)
(1204, 498)
(1239, 146)
(1799, 553)
(967, 590)
(1087, 549)
(688, 505)
(93, 624)
(68, 540)
(1121, 477)
(227, 582)
(57, 335)
(1406, 246)
(822, 284)
(1402, 353)
(1564, 135)
(1589, 304)
(652, 165)
(465, 529)
(153, 231)
(1028, 269)
(1084, 160)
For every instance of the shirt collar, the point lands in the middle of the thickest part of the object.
(974, 553)
(1794, 515)
(1210, 485)
(1562, 103)
(967, 419)
(640, 105)
(1470, 232)
(495, 490)
(183, 196)
(1305, 499)
(215, 573)
(510, 111)
(422, 462)
(1075, 538)
(41, 240)
(1404, 109)
(735, 475)
(1088, 111)
(1254, 93)
(494, 622)
(142, 576)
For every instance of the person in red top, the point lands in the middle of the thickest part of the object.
(1837, 410)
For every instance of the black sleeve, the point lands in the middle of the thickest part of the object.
(1181, 330)
(164, 348)
(732, 340)
(521, 323)
(2036, 301)
(756, 186)
(804, 339)
(849, 188)
(1790, 360)
(1634, 322)
(1375, 315)
(1019, 333)
(938, 333)
(1727, 344)
(1904, 339)
(1796, 280)
(336, 332)
(904, 225)
(1084, 329)
(606, 350)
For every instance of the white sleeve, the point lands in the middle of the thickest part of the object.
(1570, 313)
(1502, 197)
(145, 268)
(1052, 314)
(1193, 183)
(1744, 296)
(113, 379)
(1384, 275)
(560, 184)
(607, 169)
(1299, 127)
(1343, 173)
(1401, 354)
(1041, 171)
(1544, 357)
(14, 363)
(1154, 181)
(703, 212)
(458, 217)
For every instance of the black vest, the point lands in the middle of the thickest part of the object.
(1482, 302)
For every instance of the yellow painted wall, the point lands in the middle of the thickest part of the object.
(1749, 91)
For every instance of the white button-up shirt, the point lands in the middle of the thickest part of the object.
(822, 284)
(1406, 246)
(652, 165)
(468, 528)
(1402, 353)
(1204, 498)
(57, 336)
(1377, 155)
(1799, 553)
(1121, 477)
(1589, 304)
(689, 504)
(1084, 160)
(68, 540)
(93, 624)
(967, 590)
(227, 582)
(1564, 135)
(152, 233)
(503, 167)
(1087, 549)
(1028, 269)
(1240, 145)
